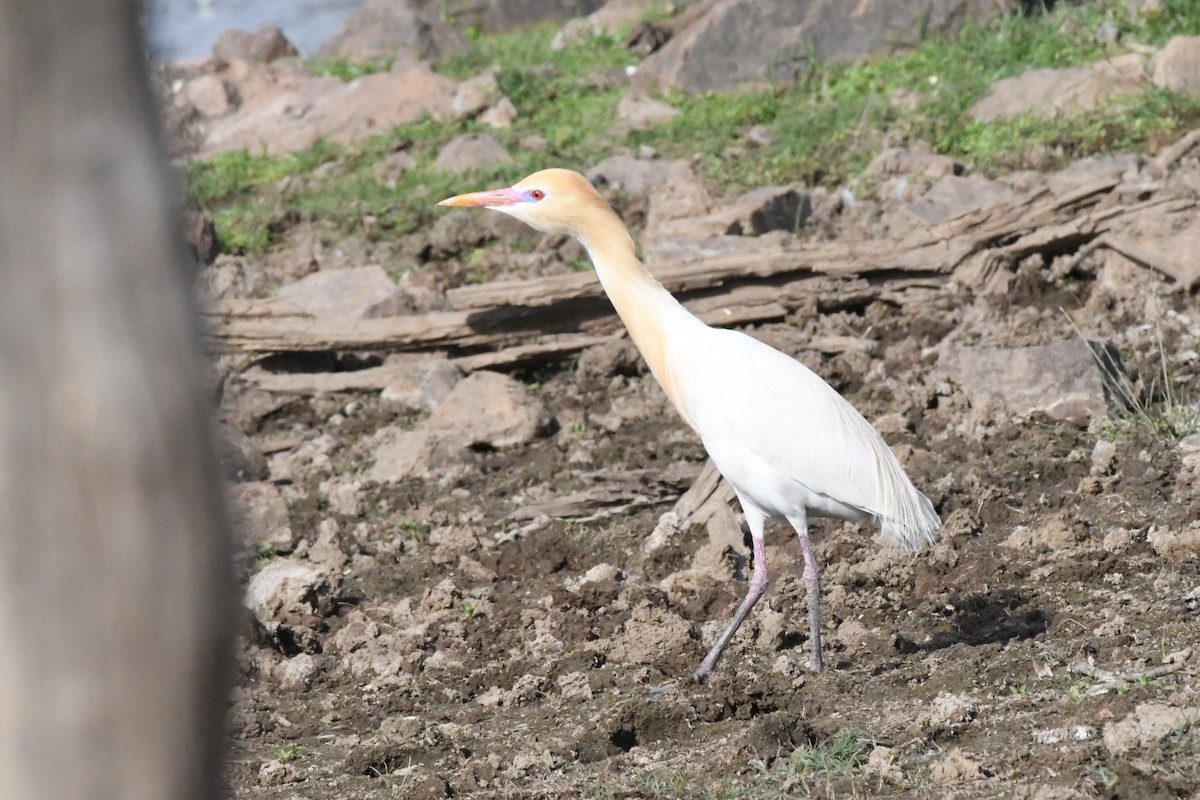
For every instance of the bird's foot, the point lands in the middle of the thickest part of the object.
(815, 663)
(701, 675)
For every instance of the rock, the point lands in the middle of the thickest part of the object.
(1060, 380)
(402, 454)
(1180, 546)
(201, 233)
(901, 162)
(421, 387)
(609, 18)
(502, 115)
(240, 458)
(389, 169)
(602, 361)
(736, 42)
(288, 110)
(297, 673)
(1177, 66)
(474, 95)
(954, 767)
(1056, 534)
(398, 29)
(946, 713)
(636, 176)
(471, 151)
(638, 112)
(953, 196)
(487, 409)
(287, 591)
(277, 773)
(355, 293)
(344, 496)
(648, 634)
(574, 687)
(495, 16)
(1046, 92)
(263, 515)
(310, 459)
(264, 45)
(759, 211)
(1149, 724)
(450, 542)
(207, 94)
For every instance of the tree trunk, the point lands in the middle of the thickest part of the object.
(115, 584)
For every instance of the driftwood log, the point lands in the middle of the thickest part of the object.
(116, 590)
(517, 323)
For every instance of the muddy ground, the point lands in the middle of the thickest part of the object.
(1045, 646)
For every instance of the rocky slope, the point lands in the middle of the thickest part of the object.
(481, 560)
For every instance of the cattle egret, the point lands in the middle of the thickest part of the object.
(788, 443)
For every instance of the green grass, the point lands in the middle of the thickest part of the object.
(833, 768)
(825, 130)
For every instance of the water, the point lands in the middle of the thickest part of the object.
(179, 29)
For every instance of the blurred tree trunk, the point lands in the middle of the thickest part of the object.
(115, 585)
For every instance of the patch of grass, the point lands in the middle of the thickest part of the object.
(289, 752)
(823, 131)
(415, 531)
(828, 768)
(347, 70)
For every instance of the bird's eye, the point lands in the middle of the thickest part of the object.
(537, 194)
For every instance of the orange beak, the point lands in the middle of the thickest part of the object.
(488, 199)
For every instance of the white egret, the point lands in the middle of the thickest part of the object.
(790, 445)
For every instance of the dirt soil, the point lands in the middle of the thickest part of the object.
(461, 649)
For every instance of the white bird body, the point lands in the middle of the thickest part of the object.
(786, 441)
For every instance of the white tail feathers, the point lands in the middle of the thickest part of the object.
(916, 525)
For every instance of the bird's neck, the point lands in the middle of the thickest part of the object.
(654, 318)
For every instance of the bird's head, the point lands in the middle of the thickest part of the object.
(552, 200)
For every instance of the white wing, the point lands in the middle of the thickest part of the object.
(784, 438)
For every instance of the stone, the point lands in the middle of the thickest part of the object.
(638, 112)
(403, 30)
(496, 16)
(474, 95)
(290, 109)
(421, 387)
(898, 161)
(208, 95)
(264, 45)
(402, 454)
(617, 357)
(1060, 380)
(952, 196)
(269, 44)
(1177, 66)
(737, 42)
(487, 409)
(1179, 546)
(297, 673)
(262, 515)
(762, 210)
(471, 151)
(240, 458)
(1149, 724)
(288, 591)
(354, 293)
(636, 176)
(1047, 92)
(502, 115)
(954, 767)
(200, 231)
(609, 18)
(277, 773)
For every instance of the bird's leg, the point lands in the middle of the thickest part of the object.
(812, 582)
(758, 585)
